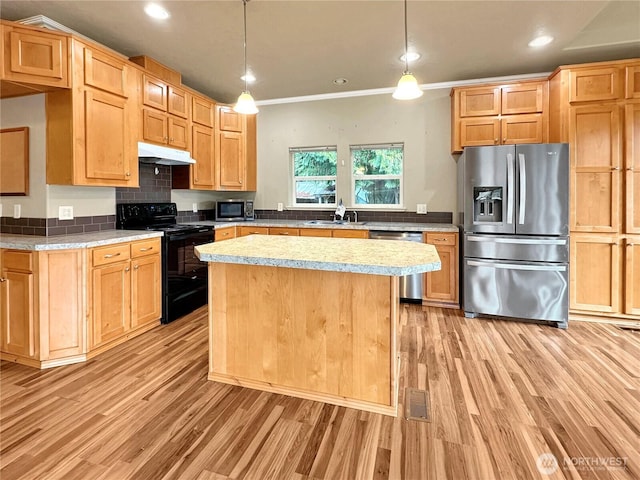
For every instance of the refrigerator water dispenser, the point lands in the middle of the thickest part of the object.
(487, 204)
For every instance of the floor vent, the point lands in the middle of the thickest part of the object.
(416, 405)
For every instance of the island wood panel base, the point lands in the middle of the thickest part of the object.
(325, 336)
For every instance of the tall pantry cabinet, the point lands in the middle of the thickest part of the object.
(596, 108)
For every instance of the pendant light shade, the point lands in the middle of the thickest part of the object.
(245, 104)
(407, 88)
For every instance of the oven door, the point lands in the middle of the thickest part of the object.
(186, 282)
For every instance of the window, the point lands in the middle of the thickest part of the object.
(377, 174)
(314, 175)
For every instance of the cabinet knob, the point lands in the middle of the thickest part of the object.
(128, 174)
(135, 267)
(615, 168)
(630, 169)
(629, 244)
(504, 140)
(127, 269)
(2, 279)
(495, 141)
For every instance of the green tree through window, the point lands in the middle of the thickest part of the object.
(377, 174)
(314, 175)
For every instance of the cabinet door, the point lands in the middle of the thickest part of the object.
(522, 129)
(178, 131)
(146, 297)
(315, 232)
(110, 302)
(154, 93)
(203, 154)
(154, 126)
(527, 98)
(347, 233)
(479, 131)
(632, 167)
(632, 276)
(107, 137)
(104, 72)
(480, 102)
(595, 273)
(228, 120)
(587, 85)
(177, 102)
(36, 57)
(442, 285)
(202, 111)
(595, 137)
(17, 308)
(632, 83)
(230, 160)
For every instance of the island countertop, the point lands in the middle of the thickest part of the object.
(376, 257)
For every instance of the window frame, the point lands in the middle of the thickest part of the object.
(355, 177)
(293, 178)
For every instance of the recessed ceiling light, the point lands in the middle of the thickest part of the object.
(541, 41)
(340, 81)
(156, 11)
(248, 77)
(411, 56)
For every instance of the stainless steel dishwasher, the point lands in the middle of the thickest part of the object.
(411, 285)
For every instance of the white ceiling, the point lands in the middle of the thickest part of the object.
(298, 48)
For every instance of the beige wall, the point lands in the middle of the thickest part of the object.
(28, 112)
(423, 125)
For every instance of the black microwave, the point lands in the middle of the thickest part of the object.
(234, 211)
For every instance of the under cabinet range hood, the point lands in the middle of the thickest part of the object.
(149, 153)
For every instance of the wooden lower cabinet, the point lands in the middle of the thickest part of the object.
(243, 231)
(595, 273)
(42, 309)
(441, 288)
(632, 276)
(292, 232)
(315, 232)
(124, 292)
(346, 233)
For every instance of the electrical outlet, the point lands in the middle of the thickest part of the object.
(65, 213)
(194, 207)
(280, 206)
(421, 208)
(17, 209)
(0, 210)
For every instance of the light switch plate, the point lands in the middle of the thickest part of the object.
(65, 213)
(17, 209)
(280, 206)
(194, 207)
(421, 208)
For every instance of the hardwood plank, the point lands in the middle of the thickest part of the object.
(501, 394)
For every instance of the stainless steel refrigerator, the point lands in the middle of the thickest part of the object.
(514, 201)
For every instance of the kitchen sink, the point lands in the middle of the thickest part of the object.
(332, 222)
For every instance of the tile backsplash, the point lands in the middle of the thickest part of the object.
(154, 187)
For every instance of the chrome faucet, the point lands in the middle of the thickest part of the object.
(355, 216)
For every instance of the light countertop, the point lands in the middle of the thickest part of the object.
(376, 257)
(388, 226)
(80, 240)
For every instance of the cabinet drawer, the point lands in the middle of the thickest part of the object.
(441, 238)
(347, 233)
(225, 233)
(15, 260)
(242, 231)
(292, 232)
(145, 247)
(110, 254)
(315, 232)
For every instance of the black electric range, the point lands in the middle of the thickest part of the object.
(184, 276)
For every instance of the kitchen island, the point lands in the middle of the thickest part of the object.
(315, 318)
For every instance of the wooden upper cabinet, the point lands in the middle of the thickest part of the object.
(154, 93)
(178, 132)
(526, 98)
(202, 111)
(228, 120)
(632, 167)
(499, 114)
(230, 160)
(586, 85)
(203, 172)
(103, 72)
(632, 81)
(178, 102)
(480, 102)
(595, 138)
(35, 56)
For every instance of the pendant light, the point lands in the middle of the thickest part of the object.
(407, 88)
(245, 103)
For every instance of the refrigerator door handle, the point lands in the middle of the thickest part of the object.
(523, 188)
(510, 189)
(515, 266)
(526, 241)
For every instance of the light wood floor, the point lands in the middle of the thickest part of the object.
(501, 394)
